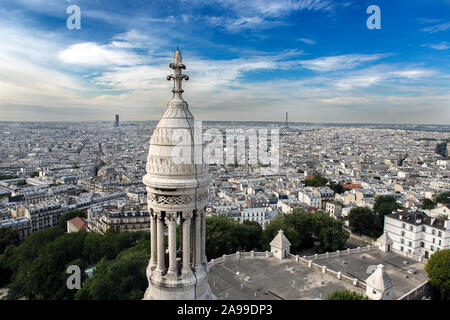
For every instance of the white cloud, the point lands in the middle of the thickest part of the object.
(342, 62)
(271, 8)
(92, 54)
(256, 14)
(307, 41)
(444, 45)
(437, 28)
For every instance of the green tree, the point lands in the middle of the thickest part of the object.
(438, 270)
(297, 228)
(222, 236)
(443, 197)
(121, 279)
(316, 181)
(37, 268)
(62, 221)
(333, 238)
(250, 234)
(346, 295)
(337, 187)
(362, 220)
(384, 204)
(329, 232)
(8, 236)
(46, 273)
(428, 204)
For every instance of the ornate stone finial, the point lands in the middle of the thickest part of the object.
(177, 76)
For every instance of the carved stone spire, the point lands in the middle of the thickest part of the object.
(177, 192)
(177, 76)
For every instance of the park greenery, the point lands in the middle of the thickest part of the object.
(36, 269)
(302, 228)
(224, 235)
(370, 222)
(316, 181)
(7, 176)
(443, 197)
(8, 236)
(438, 270)
(346, 295)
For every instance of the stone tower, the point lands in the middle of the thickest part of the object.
(177, 193)
(379, 285)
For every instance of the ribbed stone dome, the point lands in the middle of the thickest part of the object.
(175, 155)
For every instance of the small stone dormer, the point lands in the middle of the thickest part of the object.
(280, 246)
(384, 242)
(379, 285)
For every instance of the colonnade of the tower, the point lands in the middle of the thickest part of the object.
(192, 240)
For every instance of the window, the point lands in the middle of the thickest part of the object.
(432, 248)
(433, 231)
(411, 228)
(434, 240)
(402, 241)
(440, 242)
(403, 233)
(424, 229)
(403, 225)
(439, 234)
(401, 248)
(422, 244)
(410, 243)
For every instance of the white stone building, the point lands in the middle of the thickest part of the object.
(280, 246)
(416, 233)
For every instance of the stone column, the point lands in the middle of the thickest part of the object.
(186, 269)
(197, 260)
(161, 264)
(203, 236)
(153, 244)
(171, 220)
(192, 238)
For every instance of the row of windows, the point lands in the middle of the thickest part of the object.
(411, 228)
(403, 249)
(409, 242)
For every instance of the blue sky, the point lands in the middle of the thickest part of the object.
(247, 60)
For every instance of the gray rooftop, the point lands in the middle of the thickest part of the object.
(357, 266)
(272, 279)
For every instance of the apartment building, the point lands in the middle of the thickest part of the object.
(21, 224)
(124, 218)
(416, 233)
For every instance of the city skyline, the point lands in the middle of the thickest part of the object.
(328, 67)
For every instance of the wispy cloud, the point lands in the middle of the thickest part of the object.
(257, 14)
(342, 62)
(444, 45)
(272, 8)
(437, 28)
(307, 41)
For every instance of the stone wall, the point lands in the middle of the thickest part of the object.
(308, 261)
(240, 255)
(417, 293)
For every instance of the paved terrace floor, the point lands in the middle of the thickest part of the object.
(358, 265)
(272, 279)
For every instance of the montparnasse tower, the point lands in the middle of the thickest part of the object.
(177, 184)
